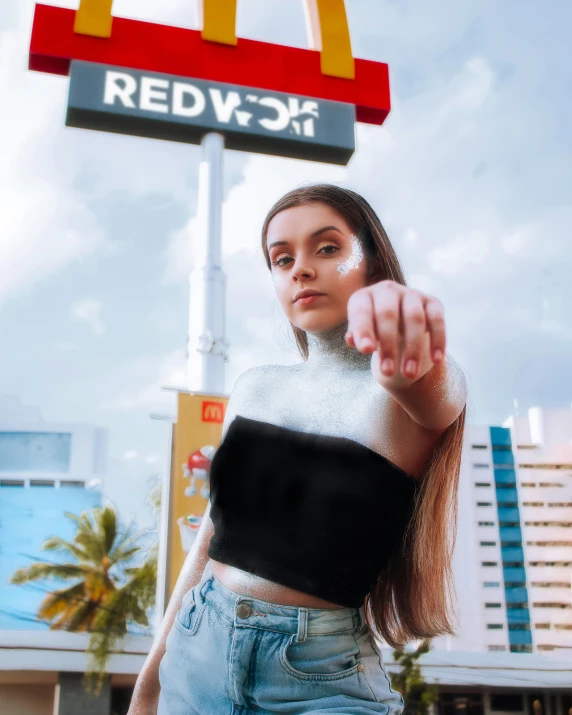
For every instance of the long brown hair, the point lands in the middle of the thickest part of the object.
(414, 596)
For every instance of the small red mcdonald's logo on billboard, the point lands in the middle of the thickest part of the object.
(213, 412)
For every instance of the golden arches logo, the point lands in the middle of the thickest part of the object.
(213, 412)
(326, 22)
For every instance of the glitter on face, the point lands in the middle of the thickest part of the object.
(354, 260)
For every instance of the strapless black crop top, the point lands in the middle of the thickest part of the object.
(317, 513)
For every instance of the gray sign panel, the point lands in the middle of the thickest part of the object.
(162, 106)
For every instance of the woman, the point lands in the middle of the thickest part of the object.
(333, 504)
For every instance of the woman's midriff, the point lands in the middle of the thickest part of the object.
(247, 584)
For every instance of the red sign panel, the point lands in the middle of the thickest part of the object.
(179, 51)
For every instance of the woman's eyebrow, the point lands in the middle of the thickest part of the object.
(314, 234)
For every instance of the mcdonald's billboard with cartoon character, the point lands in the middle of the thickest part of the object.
(196, 438)
(173, 83)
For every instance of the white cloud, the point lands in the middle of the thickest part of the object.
(88, 311)
(145, 395)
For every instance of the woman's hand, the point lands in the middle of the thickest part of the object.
(397, 324)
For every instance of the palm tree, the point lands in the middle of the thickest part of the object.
(107, 593)
(418, 695)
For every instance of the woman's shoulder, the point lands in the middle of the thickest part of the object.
(258, 375)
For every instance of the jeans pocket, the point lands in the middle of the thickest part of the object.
(189, 615)
(328, 656)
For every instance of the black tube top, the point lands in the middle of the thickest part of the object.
(317, 513)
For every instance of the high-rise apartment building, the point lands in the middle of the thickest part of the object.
(513, 557)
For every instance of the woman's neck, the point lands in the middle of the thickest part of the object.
(328, 349)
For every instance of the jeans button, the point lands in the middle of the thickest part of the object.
(243, 610)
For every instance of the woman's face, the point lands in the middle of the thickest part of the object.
(312, 247)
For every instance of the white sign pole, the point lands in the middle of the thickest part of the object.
(206, 354)
(206, 351)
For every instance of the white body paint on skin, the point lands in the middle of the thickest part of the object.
(354, 260)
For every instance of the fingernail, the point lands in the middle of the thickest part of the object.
(410, 367)
(438, 354)
(387, 365)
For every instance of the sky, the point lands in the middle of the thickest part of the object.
(470, 175)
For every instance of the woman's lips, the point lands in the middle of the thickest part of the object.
(309, 299)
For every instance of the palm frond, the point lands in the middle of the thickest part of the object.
(55, 542)
(107, 524)
(38, 571)
(57, 602)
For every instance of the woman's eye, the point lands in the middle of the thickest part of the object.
(330, 245)
(278, 261)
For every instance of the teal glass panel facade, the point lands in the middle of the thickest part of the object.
(510, 534)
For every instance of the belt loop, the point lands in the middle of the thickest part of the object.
(302, 633)
(207, 580)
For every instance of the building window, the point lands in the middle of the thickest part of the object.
(497, 647)
(552, 605)
(35, 451)
(42, 483)
(565, 504)
(514, 648)
(457, 703)
(484, 503)
(12, 483)
(559, 564)
(486, 523)
(488, 543)
(549, 543)
(489, 563)
(507, 702)
(71, 483)
(493, 605)
(551, 584)
(495, 626)
(491, 584)
(528, 484)
(563, 626)
(543, 626)
(483, 484)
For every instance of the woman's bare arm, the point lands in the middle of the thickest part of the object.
(146, 693)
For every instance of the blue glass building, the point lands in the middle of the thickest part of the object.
(45, 471)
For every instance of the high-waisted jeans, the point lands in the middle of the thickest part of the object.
(229, 654)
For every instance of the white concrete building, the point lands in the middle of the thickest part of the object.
(513, 558)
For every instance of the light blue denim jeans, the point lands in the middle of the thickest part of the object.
(229, 654)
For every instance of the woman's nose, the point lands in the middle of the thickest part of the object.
(302, 269)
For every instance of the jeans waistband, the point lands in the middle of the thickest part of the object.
(246, 611)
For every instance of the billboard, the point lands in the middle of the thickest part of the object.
(326, 72)
(163, 106)
(196, 437)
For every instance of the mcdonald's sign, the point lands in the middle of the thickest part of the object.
(328, 71)
(196, 437)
